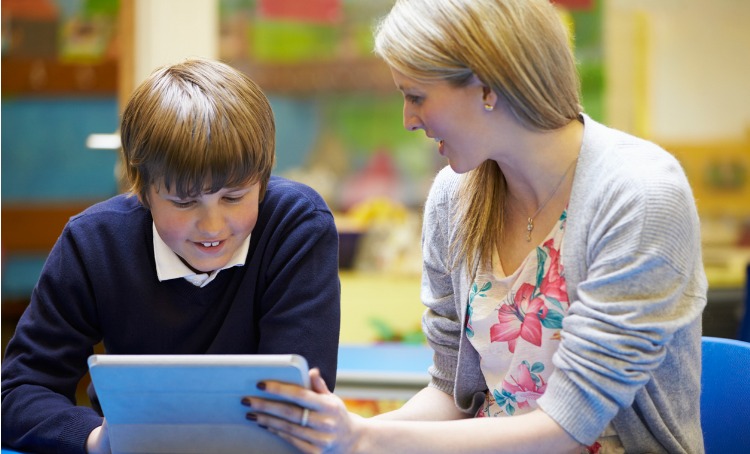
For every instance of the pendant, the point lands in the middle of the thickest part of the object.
(529, 228)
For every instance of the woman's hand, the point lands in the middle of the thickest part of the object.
(98, 440)
(321, 424)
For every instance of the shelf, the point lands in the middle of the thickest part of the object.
(310, 78)
(49, 76)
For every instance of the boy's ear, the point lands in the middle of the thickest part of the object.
(143, 200)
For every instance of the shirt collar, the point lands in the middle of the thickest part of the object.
(170, 266)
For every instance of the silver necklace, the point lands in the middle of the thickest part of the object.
(530, 220)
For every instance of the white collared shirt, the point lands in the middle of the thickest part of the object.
(170, 266)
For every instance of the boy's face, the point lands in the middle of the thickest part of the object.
(205, 231)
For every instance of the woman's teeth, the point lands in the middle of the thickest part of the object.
(211, 244)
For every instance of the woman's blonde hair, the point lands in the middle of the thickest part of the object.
(519, 49)
(199, 126)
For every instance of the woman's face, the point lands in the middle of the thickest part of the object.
(455, 117)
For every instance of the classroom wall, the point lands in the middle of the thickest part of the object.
(167, 31)
(678, 70)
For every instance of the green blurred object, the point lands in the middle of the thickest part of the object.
(86, 30)
(386, 333)
(103, 7)
(367, 121)
(364, 40)
(275, 41)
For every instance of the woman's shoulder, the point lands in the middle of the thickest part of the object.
(608, 154)
(447, 177)
(633, 189)
(617, 165)
(445, 186)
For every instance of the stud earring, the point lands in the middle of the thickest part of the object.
(489, 107)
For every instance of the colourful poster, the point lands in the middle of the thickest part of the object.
(575, 4)
(321, 11)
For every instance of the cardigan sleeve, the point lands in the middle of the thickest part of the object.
(441, 321)
(636, 242)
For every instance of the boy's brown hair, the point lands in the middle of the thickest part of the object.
(198, 126)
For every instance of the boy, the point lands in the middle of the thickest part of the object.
(207, 254)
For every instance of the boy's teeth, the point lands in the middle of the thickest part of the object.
(212, 244)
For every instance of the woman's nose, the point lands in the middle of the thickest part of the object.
(411, 122)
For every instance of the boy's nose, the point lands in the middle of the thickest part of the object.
(211, 222)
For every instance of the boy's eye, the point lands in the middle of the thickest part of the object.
(182, 203)
(233, 199)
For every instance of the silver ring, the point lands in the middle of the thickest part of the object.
(305, 416)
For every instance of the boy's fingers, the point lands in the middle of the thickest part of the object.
(317, 382)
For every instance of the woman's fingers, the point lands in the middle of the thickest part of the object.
(310, 419)
(311, 445)
(289, 412)
(315, 436)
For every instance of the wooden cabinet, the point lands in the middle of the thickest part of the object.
(49, 76)
(308, 78)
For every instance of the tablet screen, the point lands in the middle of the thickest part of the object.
(189, 403)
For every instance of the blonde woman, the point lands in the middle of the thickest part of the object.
(562, 265)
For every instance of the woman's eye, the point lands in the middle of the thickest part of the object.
(413, 99)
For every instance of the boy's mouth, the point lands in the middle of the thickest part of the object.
(210, 243)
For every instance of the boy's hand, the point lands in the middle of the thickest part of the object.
(98, 440)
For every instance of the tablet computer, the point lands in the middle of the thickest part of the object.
(189, 403)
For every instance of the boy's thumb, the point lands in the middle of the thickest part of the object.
(317, 382)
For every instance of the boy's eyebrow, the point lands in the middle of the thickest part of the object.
(235, 188)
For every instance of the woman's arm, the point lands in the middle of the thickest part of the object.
(429, 404)
(530, 433)
(331, 428)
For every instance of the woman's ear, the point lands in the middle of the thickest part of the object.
(489, 98)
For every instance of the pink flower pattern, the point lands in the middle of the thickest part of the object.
(527, 313)
(553, 284)
(531, 312)
(522, 318)
(525, 386)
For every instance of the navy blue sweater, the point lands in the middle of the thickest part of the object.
(99, 284)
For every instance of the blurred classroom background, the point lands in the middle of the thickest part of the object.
(675, 72)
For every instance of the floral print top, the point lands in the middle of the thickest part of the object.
(514, 323)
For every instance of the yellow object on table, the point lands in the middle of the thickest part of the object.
(371, 298)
